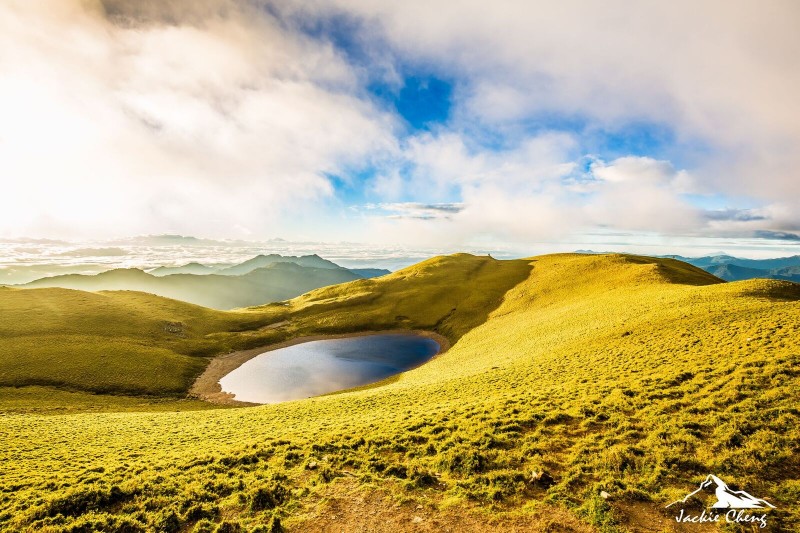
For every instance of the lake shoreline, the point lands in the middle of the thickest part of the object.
(207, 387)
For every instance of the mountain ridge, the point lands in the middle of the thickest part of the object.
(259, 261)
(259, 280)
(273, 282)
(731, 268)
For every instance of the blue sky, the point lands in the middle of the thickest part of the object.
(514, 125)
(422, 97)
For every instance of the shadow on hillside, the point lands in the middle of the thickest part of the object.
(476, 309)
(449, 295)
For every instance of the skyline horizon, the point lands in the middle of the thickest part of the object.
(20, 255)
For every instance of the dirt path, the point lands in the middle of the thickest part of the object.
(206, 386)
(343, 507)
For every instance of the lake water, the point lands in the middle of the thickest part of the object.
(318, 367)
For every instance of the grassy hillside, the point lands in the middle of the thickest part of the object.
(113, 342)
(448, 295)
(623, 374)
(127, 342)
(275, 282)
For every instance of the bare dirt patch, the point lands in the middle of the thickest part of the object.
(344, 508)
(647, 517)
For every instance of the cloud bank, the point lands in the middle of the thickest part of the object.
(252, 118)
(208, 116)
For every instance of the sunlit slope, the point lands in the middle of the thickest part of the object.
(126, 342)
(118, 342)
(449, 295)
(630, 375)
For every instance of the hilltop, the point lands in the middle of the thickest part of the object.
(569, 375)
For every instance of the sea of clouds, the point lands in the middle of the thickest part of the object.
(24, 260)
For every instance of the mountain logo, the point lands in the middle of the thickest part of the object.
(726, 497)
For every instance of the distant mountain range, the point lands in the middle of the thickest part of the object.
(189, 268)
(732, 268)
(259, 261)
(273, 277)
(262, 279)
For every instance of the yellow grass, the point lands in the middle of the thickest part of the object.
(629, 375)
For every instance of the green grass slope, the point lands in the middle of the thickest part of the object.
(449, 295)
(623, 374)
(132, 343)
(112, 342)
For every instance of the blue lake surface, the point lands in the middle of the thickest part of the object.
(319, 367)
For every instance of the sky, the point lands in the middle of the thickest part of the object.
(661, 127)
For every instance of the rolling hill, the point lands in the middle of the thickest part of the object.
(569, 376)
(111, 342)
(274, 282)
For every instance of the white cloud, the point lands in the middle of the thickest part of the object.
(183, 117)
(636, 170)
(418, 211)
(522, 196)
(443, 161)
(640, 193)
(388, 185)
(214, 118)
(723, 76)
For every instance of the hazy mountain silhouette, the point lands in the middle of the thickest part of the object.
(261, 261)
(189, 268)
(731, 272)
(726, 497)
(370, 272)
(732, 268)
(762, 264)
(278, 280)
